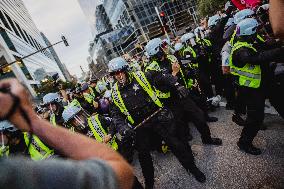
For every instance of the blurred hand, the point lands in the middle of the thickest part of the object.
(95, 104)
(175, 68)
(6, 102)
(107, 138)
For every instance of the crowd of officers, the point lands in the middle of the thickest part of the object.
(145, 104)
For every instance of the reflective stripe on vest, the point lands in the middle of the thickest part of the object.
(75, 103)
(249, 75)
(116, 97)
(88, 97)
(99, 132)
(154, 66)
(4, 151)
(193, 53)
(208, 42)
(260, 38)
(161, 94)
(37, 150)
(204, 42)
(233, 38)
(143, 82)
(52, 119)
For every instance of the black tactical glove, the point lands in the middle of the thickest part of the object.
(127, 134)
(182, 91)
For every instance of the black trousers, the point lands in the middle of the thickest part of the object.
(229, 90)
(186, 110)
(162, 125)
(254, 100)
(217, 76)
(240, 107)
(205, 84)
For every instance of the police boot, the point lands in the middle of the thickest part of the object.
(236, 118)
(248, 148)
(198, 175)
(212, 141)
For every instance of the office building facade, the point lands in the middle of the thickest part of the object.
(21, 36)
(136, 22)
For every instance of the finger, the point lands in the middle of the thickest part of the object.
(6, 83)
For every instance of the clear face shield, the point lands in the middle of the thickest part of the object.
(79, 121)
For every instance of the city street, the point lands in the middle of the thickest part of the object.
(227, 167)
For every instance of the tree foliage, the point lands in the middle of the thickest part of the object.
(209, 7)
(50, 86)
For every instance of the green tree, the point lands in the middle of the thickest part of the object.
(209, 7)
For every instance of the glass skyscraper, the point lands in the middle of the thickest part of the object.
(23, 38)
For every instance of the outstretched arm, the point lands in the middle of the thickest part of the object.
(74, 146)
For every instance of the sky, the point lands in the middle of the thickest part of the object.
(63, 17)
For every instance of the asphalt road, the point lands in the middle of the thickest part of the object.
(225, 166)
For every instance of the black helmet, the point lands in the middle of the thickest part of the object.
(84, 87)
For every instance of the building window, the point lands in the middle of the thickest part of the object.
(27, 37)
(20, 30)
(12, 24)
(33, 44)
(3, 19)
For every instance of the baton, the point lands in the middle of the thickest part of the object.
(145, 120)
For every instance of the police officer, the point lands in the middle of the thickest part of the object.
(90, 95)
(246, 64)
(216, 25)
(95, 126)
(183, 108)
(78, 98)
(234, 100)
(136, 107)
(92, 85)
(11, 140)
(205, 56)
(53, 102)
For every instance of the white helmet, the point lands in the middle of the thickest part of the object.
(247, 27)
(178, 46)
(101, 87)
(7, 126)
(51, 97)
(243, 14)
(117, 64)
(199, 32)
(70, 112)
(213, 20)
(153, 46)
(187, 37)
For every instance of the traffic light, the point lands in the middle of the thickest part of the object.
(64, 41)
(163, 18)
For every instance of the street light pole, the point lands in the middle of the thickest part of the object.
(8, 64)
